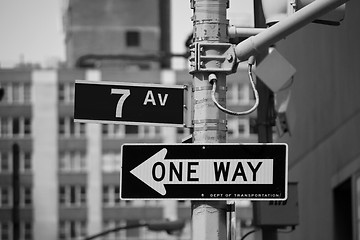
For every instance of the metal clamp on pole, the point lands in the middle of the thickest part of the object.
(219, 58)
(212, 57)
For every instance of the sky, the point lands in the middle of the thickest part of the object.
(32, 31)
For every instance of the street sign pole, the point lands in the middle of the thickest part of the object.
(265, 113)
(210, 25)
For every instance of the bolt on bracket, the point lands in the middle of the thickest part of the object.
(212, 57)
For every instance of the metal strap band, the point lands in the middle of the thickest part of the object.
(202, 121)
(209, 128)
(208, 88)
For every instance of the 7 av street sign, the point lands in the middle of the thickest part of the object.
(129, 103)
(204, 171)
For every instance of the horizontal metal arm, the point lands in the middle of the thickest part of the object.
(285, 27)
(243, 32)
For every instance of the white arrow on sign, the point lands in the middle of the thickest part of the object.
(156, 171)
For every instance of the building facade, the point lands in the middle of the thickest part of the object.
(70, 172)
(324, 153)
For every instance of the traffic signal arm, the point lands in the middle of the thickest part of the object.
(255, 44)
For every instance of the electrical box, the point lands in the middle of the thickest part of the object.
(278, 213)
(275, 71)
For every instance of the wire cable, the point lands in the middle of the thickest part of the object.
(213, 79)
(247, 234)
(115, 230)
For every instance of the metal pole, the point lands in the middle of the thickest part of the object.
(265, 114)
(210, 25)
(16, 191)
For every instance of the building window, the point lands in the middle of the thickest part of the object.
(127, 203)
(5, 163)
(72, 196)
(105, 129)
(26, 161)
(5, 127)
(62, 126)
(111, 195)
(26, 196)
(15, 127)
(132, 39)
(119, 131)
(26, 231)
(253, 125)
(184, 203)
(113, 130)
(238, 127)
(148, 131)
(82, 128)
(72, 161)
(238, 93)
(16, 93)
(183, 132)
(5, 231)
(61, 93)
(111, 161)
(27, 93)
(5, 197)
(6, 97)
(131, 129)
(66, 92)
(27, 127)
(72, 229)
(69, 128)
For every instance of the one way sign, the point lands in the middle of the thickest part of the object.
(204, 171)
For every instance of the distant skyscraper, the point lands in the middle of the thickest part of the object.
(112, 33)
